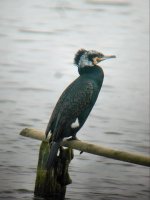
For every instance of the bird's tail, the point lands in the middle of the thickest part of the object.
(52, 155)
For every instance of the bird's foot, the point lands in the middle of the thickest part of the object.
(72, 138)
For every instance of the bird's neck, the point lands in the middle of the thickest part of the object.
(89, 70)
(94, 72)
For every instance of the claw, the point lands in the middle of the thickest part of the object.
(72, 138)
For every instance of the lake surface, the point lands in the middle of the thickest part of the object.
(38, 40)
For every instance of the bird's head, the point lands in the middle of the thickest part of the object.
(84, 58)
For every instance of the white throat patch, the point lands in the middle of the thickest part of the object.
(84, 61)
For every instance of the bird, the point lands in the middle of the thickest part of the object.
(76, 102)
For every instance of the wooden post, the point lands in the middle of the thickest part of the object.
(52, 183)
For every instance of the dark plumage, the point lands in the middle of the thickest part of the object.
(76, 102)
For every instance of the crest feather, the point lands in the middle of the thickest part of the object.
(78, 55)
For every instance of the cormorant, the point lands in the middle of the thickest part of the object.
(76, 102)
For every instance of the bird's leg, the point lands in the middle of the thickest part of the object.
(73, 138)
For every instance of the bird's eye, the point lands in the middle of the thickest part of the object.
(100, 55)
(91, 56)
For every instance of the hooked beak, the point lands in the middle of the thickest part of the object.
(99, 59)
(107, 57)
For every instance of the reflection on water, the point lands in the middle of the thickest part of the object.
(38, 40)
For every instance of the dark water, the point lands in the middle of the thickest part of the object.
(38, 40)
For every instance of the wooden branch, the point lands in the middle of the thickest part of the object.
(93, 149)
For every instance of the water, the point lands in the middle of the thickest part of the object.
(38, 40)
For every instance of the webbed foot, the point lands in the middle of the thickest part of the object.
(72, 138)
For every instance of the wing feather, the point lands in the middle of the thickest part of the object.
(72, 103)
